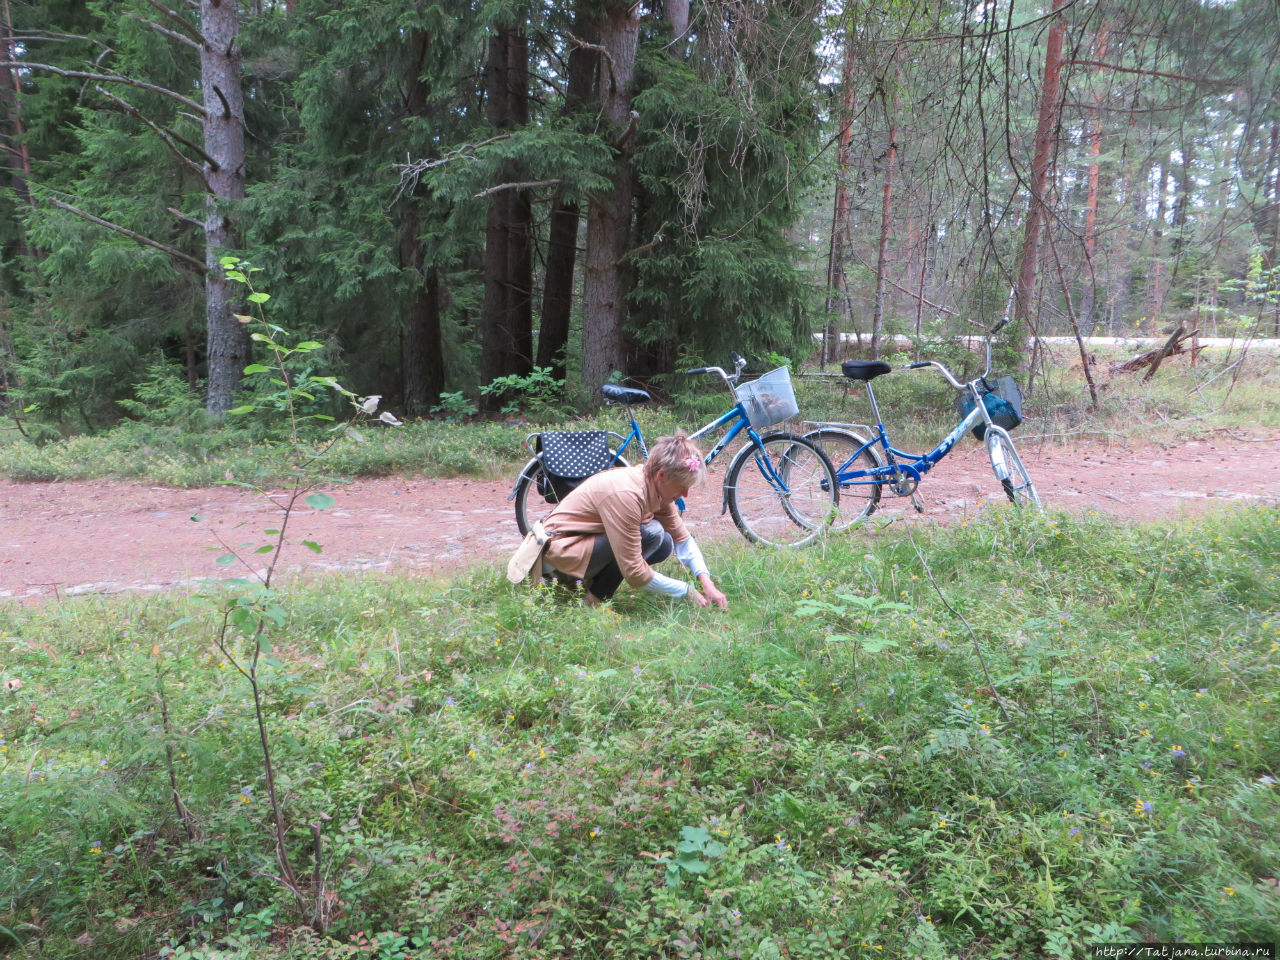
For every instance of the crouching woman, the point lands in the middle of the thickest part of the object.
(618, 524)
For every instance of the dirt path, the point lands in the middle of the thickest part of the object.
(63, 539)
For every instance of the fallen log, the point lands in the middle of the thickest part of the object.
(1153, 358)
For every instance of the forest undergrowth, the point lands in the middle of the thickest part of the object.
(1008, 738)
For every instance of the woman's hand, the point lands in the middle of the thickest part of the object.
(710, 593)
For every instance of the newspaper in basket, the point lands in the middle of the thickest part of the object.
(768, 400)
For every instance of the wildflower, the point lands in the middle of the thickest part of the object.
(95, 846)
(942, 824)
(103, 765)
(471, 752)
(450, 703)
(1179, 752)
(1229, 891)
(1073, 832)
(1142, 807)
(1144, 732)
(246, 793)
(1266, 780)
(1202, 691)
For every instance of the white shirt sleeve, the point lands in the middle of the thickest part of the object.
(667, 586)
(688, 553)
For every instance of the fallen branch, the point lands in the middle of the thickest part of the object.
(1153, 358)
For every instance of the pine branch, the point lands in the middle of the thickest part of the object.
(132, 235)
(161, 133)
(105, 78)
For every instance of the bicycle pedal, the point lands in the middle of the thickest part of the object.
(915, 502)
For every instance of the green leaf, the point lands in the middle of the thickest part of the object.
(247, 408)
(259, 297)
(265, 548)
(877, 644)
(226, 559)
(313, 546)
(179, 622)
(320, 501)
(257, 368)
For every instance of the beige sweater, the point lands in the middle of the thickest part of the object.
(616, 503)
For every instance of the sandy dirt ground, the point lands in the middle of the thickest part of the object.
(60, 540)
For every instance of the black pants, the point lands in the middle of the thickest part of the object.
(603, 573)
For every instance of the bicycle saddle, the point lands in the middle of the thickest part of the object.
(864, 370)
(620, 394)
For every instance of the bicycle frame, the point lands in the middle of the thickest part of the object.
(899, 462)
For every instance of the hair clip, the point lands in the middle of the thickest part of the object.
(693, 463)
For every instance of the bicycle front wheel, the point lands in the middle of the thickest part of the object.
(1010, 470)
(850, 455)
(782, 493)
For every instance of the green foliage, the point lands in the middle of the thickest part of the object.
(539, 393)
(455, 407)
(498, 771)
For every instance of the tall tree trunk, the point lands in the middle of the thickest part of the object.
(228, 339)
(1093, 121)
(606, 273)
(1041, 162)
(838, 252)
(422, 351)
(11, 105)
(886, 225)
(507, 322)
(565, 217)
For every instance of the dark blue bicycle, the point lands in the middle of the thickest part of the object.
(869, 466)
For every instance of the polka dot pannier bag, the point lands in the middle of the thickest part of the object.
(569, 457)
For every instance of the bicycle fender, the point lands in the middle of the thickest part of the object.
(524, 473)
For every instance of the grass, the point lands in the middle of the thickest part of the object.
(1182, 402)
(828, 769)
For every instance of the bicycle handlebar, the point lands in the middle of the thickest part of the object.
(947, 373)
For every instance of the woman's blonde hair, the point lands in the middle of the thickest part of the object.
(678, 456)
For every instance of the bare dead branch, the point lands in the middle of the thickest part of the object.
(158, 131)
(190, 30)
(226, 107)
(106, 78)
(1181, 77)
(178, 255)
(171, 34)
(410, 172)
(526, 185)
(185, 218)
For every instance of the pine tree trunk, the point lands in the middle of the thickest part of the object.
(11, 106)
(422, 352)
(565, 217)
(506, 345)
(606, 275)
(886, 225)
(228, 340)
(1041, 162)
(837, 280)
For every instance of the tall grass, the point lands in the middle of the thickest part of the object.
(1182, 402)
(1005, 739)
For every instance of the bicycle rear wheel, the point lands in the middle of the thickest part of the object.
(1010, 470)
(782, 493)
(534, 496)
(859, 497)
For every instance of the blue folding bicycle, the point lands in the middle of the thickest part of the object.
(868, 466)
